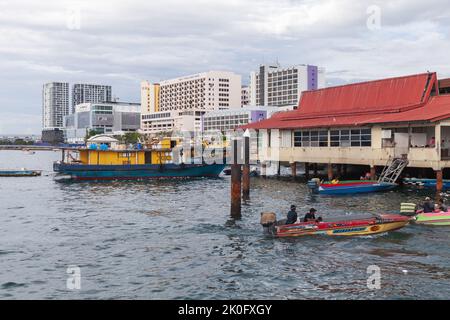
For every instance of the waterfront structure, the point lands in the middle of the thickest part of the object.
(366, 123)
(444, 86)
(225, 120)
(245, 96)
(55, 104)
(274, 85)
(94, 93)
(178, 104)
(107, 117)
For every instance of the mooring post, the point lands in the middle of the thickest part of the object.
(294, 169)
(373, 172)
(330, 172)
(235, 183)
(263, 169)
(439, 182)
(307, 170)
(246, 168)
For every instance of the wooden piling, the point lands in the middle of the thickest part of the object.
(373, 172)
(307, 170)
(315, 170)
(246, 170)
(263, 169)
(294, 169)
(439, 182)
(330, 172)
(235, 183)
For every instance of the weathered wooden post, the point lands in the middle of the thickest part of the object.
(315, 170)
(307, 170)
(246, 167)
(294, 169)
(373, 172)
(330, 172)
(263, 169)
(235, 183)
(439, 182)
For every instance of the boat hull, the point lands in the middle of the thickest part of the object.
(435, 219)
(427, 183)
(20, 173)
(362, 227)
(354, 188)
(136, 172)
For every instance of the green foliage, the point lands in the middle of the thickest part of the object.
(90, 133)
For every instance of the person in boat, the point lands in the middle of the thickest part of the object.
(292, 215)
(310, 216)
(441, 206)
(428, 205)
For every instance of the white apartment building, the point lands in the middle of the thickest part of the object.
(179, 103)
(276, 86)
(245, 96)
(225, 120)
(55, 104)
(94, 93)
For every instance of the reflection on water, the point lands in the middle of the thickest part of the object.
(175, 239)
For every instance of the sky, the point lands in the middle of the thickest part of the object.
(120, 43)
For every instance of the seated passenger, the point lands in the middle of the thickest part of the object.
(442, 207)
(292, 215)
(335, 181)
(310, 216)
(427, 205)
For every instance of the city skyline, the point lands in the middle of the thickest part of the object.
(115, 44)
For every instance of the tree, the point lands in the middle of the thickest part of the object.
(90, 133)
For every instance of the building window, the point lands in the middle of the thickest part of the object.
(314, 138)
(351, 138)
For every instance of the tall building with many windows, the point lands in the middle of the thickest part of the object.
(178, 104)
(273, 85)
(55, 104)
(93, 93)
(245, 96)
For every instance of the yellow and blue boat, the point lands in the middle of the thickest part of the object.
(128, 164)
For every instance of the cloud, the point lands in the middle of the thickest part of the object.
(122, 42)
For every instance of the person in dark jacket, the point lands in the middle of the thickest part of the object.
(428, 206)
(292, 215)
(310, 216)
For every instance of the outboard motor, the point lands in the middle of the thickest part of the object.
(313, 185)
(269, 221)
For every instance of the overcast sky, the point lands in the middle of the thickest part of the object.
(120, 43)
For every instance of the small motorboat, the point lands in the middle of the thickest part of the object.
(433, 218)
(426, 183)
(349, 187)
(20, 173)
(358, 226)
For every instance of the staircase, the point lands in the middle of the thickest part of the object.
(393, 169)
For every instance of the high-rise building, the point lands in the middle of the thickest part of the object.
(245, 96)
(273, 85)
(149, 97)
(179, 103)
(55, 104)
(93, 93)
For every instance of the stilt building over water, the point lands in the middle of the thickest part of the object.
(368, 123)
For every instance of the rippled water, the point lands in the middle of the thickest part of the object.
(175, 240)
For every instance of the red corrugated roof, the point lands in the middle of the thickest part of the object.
(382, 101)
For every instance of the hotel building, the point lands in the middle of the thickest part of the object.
(178, 104)
(273, 85)
(84, 93)
(55, 104)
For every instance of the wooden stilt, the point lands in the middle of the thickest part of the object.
(330, 172)
(235, 184)
(294, 169)
(246, 170)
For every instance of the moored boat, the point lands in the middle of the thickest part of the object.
(433, 218)
(341, 227)
(426, 183)
(20, 173)
(134, 164)
(349, 187)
